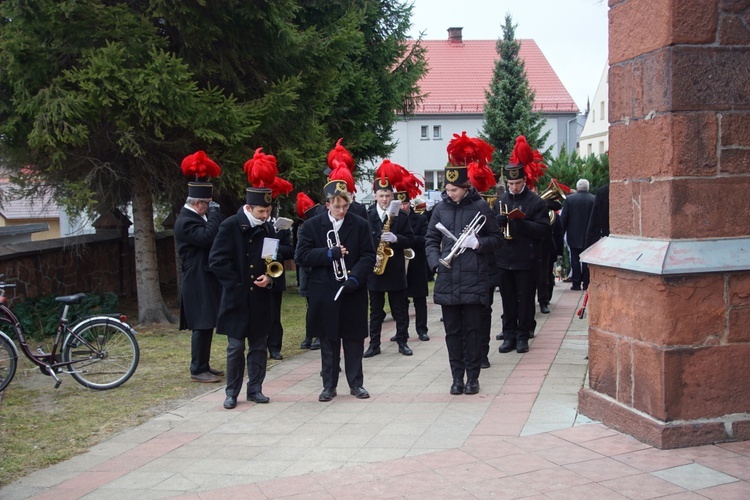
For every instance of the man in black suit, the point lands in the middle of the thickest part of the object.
(276, 337)
(194, 232)
(398, 237)
(416, 271)
(337, 249)
(237, 261)
(575, 219)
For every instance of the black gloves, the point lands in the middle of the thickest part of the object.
(349, 286)
(213, 206)
(335, 253)
(502, 220)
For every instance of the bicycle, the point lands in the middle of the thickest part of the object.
(100, 352)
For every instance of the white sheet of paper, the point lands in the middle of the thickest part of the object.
(282, 223)
(393, 208)
(270, 247)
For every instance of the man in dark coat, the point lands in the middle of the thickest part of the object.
(194, 232)
(236, 260)
(599, 222)
(463, 288)
(524, 214)
(546, 278)
(575, 220)
(339, 304)
(416, 270)
(276, 337)
(392, 281)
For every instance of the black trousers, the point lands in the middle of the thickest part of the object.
(580, 269)
(487, 325)
(420, 314)
(517, 289)
(200, 351)
(463, 338)
(399, 308)
(276, 335)
(546, 278)
(256, 364)
(330, 359)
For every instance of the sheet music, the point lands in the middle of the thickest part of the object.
(270, 248)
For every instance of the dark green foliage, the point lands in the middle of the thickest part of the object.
(40, 316)
(569, 167)
(508, 111)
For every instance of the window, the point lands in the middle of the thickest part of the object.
(423, 133)
(593, 115)
(601, 147)
(433, 180)
(601, 110)
(590, 148)
(436, 133)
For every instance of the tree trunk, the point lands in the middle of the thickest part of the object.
(151, 307)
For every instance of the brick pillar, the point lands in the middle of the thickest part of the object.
(669, 335)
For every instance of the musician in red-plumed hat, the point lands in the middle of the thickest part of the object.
(194, 231)
(524, 217)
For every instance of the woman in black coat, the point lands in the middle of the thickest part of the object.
(463, 288)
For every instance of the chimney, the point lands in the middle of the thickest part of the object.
(454, 35)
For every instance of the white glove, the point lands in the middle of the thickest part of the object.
(388, 237)
(470, 241)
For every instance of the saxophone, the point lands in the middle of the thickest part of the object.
(384, 251)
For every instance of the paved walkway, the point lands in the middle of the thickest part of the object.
(520, 437)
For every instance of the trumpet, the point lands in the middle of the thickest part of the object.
(472, 227)
(339, 266)
(504, 211)
(274, 268)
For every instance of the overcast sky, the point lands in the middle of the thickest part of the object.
(572, 34)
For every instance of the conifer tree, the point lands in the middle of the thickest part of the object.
(508, 111)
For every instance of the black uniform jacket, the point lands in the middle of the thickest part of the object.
(201, 291)
(467, 280)
(394, 277)
(347, 317)
(523, 251)
(286, 252)
(575, 217)
(235, 259)
(416, 272)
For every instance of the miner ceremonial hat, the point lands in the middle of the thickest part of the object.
(201, 190)
(334, 188)
(258, 196)
(382, 183)
(457, 175)
(402, 196)
(514, 171)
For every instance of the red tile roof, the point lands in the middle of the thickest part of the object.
(461, 71)
(43, 207)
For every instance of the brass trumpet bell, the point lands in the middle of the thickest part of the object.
(553, 192)
(274, 268)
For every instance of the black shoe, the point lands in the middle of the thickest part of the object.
(457, 387)
(576, 287)
(258, 397)
(394, 338)
(305, 344)
(499, 336)
(315, 345)
(327, 395)
(544, 308)
(585, 286)
(359, 393)
(522, 346)
(275, 355)
(371, 351)
(485, 362)
(206, 378)
(405, 349)
(424, 337)
(472, 387)
(230, 402)
(218, 373)
(506, 346)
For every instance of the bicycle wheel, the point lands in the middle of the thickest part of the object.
(8, 361)
(101, 353)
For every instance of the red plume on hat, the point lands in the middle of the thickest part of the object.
(392, 172)
(340, 172)
(341, 154)
(411, 183)
(200, 165)
(304, 203)
(261, 172)
(463, 150)
(481, 176)
(532, 160)
(261, 169)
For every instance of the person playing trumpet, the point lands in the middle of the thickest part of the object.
(333, 245)
(462, 219)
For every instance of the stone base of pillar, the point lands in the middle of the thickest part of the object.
(662, 435)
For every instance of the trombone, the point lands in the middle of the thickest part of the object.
(339, 266)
